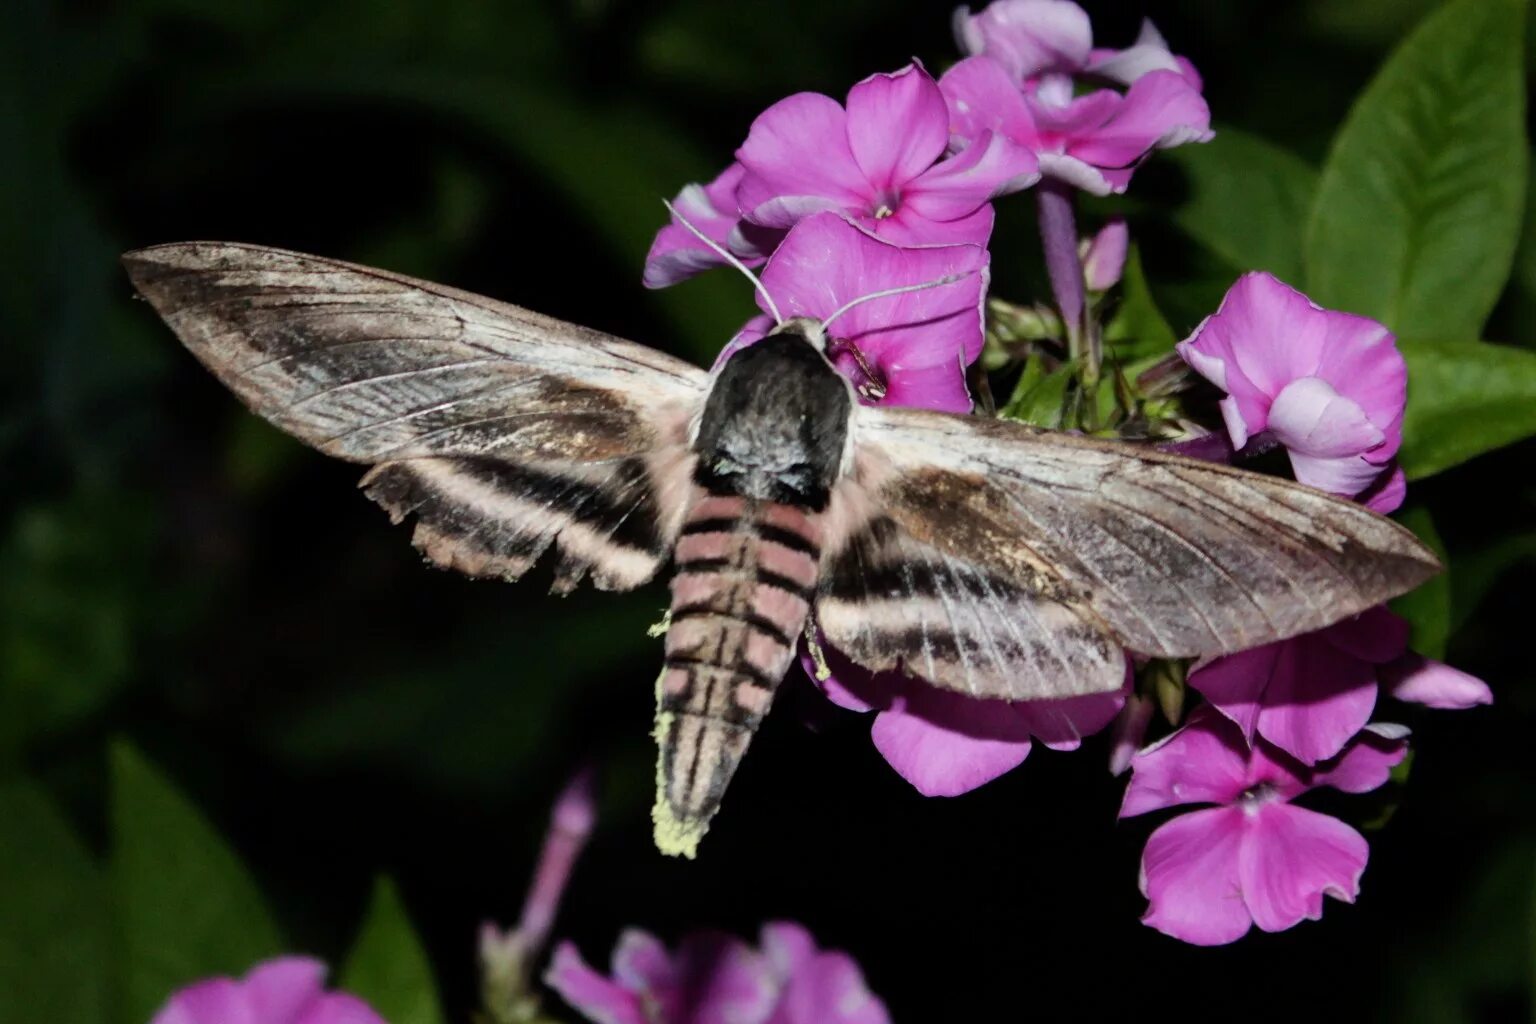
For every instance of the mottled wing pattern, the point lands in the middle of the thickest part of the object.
(1169, 556)
(890, 601)
(502, 431)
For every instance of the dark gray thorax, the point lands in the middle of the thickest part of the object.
(774, 424)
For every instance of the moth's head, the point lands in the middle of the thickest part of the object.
(807, 328)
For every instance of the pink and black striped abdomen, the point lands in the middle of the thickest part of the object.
(746, 573)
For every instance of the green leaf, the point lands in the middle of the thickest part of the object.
(1039, 395)
(1138, 329)
(1248, 201)
(1428, 607)
(187, 908)
(1464, 399)
(1418, 209)
(387, 967)
(72, 577)
(54, 925)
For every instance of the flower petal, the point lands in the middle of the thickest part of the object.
(1149, 53)
(335, 1008)
(1291, 858)
(1104, 261)
(641, 963)
(938, 760)
(1235, 684)
(215, 1001)
(1317, 699)
(677, 253)
(1129, 732)
(898, 126)
(1160, 111)
(797, 160)
(1027, 36)
(599, 999)
(1309, 416)
(1385, 495)
(851, 686)
(1434, 684)
(830, 989)
(722, 981)
(1377, 635)
(1345, 475)
(826, 262)
(982, 98)
(1206, 761)
(1189, 874)
(1365, 764)
(1359, 357)
(991, 166)
(910, 229)
(1079, 174)
(279, 989)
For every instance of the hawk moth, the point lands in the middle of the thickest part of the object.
(986, 556)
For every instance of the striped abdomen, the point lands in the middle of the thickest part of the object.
(746, 573)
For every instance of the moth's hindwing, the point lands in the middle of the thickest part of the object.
(975, 523)
(501, 430)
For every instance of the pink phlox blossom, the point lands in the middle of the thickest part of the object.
(1254, 858)
(910, 349)
(1331, 387)
(880, 161)
(1030, 38)
(714, 978)
(1311, 694)
(678, 253)
(1104, 255)
(945, 743)
(1021, 83)
(287, 990)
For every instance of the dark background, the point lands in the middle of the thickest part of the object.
(174, 571)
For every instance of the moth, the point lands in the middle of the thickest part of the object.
(988, 557)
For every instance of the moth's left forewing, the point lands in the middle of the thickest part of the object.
(1177, 558)
(501, 431)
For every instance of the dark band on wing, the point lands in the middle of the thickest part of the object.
(493, 519)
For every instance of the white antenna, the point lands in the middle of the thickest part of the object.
(725, 254)
(939, 283)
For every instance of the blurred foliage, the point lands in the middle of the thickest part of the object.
(175, 572)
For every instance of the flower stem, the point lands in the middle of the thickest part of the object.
(1058, 234)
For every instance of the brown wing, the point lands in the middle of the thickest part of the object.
(501, 430)
(892, 602)
(1169, 556)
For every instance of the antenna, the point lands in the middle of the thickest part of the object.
(726, 255)
(938, 283)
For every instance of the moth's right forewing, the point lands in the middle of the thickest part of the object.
(1181, 558)
(501, 430)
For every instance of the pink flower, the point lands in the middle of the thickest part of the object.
(909, 349)
(1329, 386)
(1255, 858)
(1311, 694)
(1038, 37)
(718, 979)
(878, 162)
(507, 955)
(1019, 84)
(1092, 142)
(946, 744)
(288, 990)
(1104, 255)
(677, 253)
